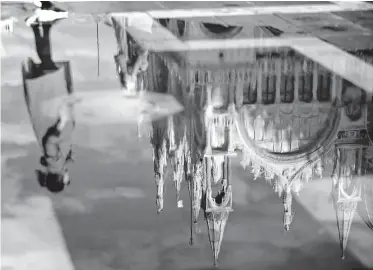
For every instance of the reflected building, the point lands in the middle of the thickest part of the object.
(285, 116)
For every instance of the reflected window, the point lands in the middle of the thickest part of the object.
(164, 22)
(201, 77)
(305, 86)
(268, 88)
(324, 85)
(181, 25)
(287, 88)
(177, 27)
(249, 93)
(272, 31)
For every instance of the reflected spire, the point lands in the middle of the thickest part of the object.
(216, 222)
(195, 187)
(218, 207)
(160, 162)
(160, 183)
(178, 170)
(287, 199)
(217, 214)
(159, 146)
(349, 167)
(171, 135)
(176, 151)
(190, 189)
(345, 212)
(346, 192)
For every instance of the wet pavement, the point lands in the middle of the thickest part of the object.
(106, 219)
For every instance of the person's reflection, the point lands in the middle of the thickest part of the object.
(57, 150)
(41, 23)
(56, 142)
(128, 66)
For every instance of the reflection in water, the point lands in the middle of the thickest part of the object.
(286, 116)
(42, 82)
(288, 123)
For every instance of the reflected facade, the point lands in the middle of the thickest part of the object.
(285, 116)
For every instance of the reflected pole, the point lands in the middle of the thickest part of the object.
(98, 50)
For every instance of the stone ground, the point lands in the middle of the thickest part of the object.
(106, 219)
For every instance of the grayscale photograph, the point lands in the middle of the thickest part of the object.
(186, 135)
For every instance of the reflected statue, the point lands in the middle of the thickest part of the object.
(353, 98)
(349, 170)
(57, 150)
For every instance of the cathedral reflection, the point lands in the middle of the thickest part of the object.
(283, 115)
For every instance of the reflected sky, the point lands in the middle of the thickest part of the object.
(256, 98)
